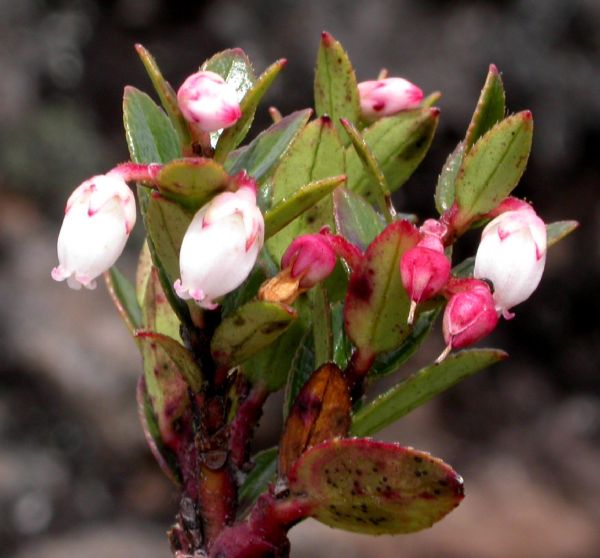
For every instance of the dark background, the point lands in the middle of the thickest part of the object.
(75, 477)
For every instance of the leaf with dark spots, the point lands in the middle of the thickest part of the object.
(248, 330)
(375, 487)
(377, 305)
(321, 411)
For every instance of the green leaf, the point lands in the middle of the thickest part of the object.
(399, 144)
(355, 218)
(465, 268)
(388, 363)
(262, 154)
(490, 108)
(377, 305)
(420, 388)
(178, 354)
(122, 293)
(336, 91)
(445, 188)
(493, 166)
(558, 230)
(376, 488)
(372, 168)
(166, 387)
(142, 274)
(248, 330)
(322, 325)
(270, 366)
(193, 181)
(167, 96)
(165, 458)
(233, 136)
(257, 481)
(342, 346)
(303, 199)
(234, 66)
(316, 154)
(150, 135)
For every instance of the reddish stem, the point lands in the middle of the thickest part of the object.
(343, 248)
(133, 172)
(242, 427)
(356, 372)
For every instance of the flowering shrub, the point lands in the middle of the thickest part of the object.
(283, 264)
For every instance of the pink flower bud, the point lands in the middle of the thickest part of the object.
(385, 97)
(425, 270)
(469, 316)
(511, 255)
(206, 100)
(310, 258)
(220, 246)
(99, 216)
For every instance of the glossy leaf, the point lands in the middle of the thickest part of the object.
(342, 346)
(355, 218)
(150, 135)
(377, 305)
(493, 166)
(261, 155)
(193, 181)
(420, 388)
(388, 363)
(165, 458)
(167, 95)
(178, 354)
(258, 480)
(399, 144)
(231, 137)
(249, 329)
(316, 154)
(305, 198)
(335, 89)
(375, 488)
(234, 66)
(490, 108)
(445, 188)
(320, 412)
(122, 293)
(270, 366)
(322, 325)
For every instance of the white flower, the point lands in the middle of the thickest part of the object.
(220, 247)
(384, 97)
(99, 216)
(511, 255)
(208, 101)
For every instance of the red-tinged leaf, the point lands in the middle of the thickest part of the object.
(377, 305)
(374, 487)
(321, 411)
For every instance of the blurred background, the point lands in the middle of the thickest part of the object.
(75, 476)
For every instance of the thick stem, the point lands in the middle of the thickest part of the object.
(264, 533)
(244, 423)
(356, 373)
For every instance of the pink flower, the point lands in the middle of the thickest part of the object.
(99, 216)
(425, 270)
(469, 315)
(311, 258)
(220, 246)
(385, 97)
(206, 100)
(512, 255)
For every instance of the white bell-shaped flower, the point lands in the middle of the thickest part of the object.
(220, 247)
(208, 101)
(385, 97)
(511, 255)
(99, 217)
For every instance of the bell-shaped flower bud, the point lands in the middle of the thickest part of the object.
(310, 258)
(469, 316)
(384, 97)
(425, 270)
(209, 102)
(99, 216)
(220, 247)
(511, 255)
